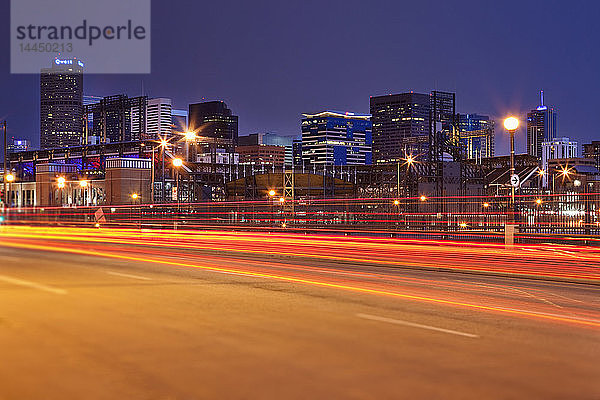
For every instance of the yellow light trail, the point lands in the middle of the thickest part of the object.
(547, 316)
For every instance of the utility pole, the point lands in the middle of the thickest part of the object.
(4, 171)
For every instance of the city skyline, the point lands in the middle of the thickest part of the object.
(260, 92)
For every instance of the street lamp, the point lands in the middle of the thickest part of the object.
(190, 137)
(423, 197)
(177, 163)
(83, 184)
(164, 143)
(271, 193)
(10, 178)
(135, 196)
(511, 124)
(61, 181)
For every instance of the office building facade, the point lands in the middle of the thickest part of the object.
(333, 138)
(401, 124)
(476, 135)
(118, 118)
(16, 145)
(541, 127)
(270, 139)
(159, 118)
(61, 104)
(261, 154)
(559, 148)
(179, 120)
(213, 119)
(592, 150)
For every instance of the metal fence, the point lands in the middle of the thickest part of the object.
(564, 217)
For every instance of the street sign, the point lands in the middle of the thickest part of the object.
(174, 193)
(514, 180)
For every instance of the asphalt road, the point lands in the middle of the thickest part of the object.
(76, 326)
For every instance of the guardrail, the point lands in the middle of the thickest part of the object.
(569, 217)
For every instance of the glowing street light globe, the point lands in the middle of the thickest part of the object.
(190, 135)
(282, 200)
(61, 181)
(177, 162)
(10, 178)
(83, 183)
(134, 196)
(271, 193)
(511, 124)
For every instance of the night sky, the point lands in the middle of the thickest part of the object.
(270, 61)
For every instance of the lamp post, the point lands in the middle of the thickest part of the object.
(177, 163)
(83, 184)
(511, 124)
(190, 137)
(163, 146)
(61, 183)
(5, 158)
(10, 178)
(271, 195)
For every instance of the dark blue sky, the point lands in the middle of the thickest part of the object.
(272, 60)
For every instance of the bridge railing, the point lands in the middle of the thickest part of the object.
(563, 217)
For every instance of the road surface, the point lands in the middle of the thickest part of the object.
(83, 316)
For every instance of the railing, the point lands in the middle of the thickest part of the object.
(569, 217)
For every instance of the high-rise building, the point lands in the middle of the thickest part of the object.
(592, 150)
(297, 152)
(476, 133)
(213, 119)
(118, 118)
(261, 154)
(61, 104)
(541, 127)
(333, 138)
(159, 118)
(270, 139)
(179, 120)
(400, 125)
(558, 148)
(444, 136)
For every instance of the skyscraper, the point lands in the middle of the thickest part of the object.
(118, 118)
(179, 120)
(592, 150)
(443, 128)
(158, 118)
(213, 119)
(61, 104)
(333, 138)
(400, 125)
(541, 127)
(476, 134)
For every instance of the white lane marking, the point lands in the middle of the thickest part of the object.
(143, 278)
(412, 324)
(33, 285)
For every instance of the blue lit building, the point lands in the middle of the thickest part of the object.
(541, 127)
(334, 138)
(476, 135)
